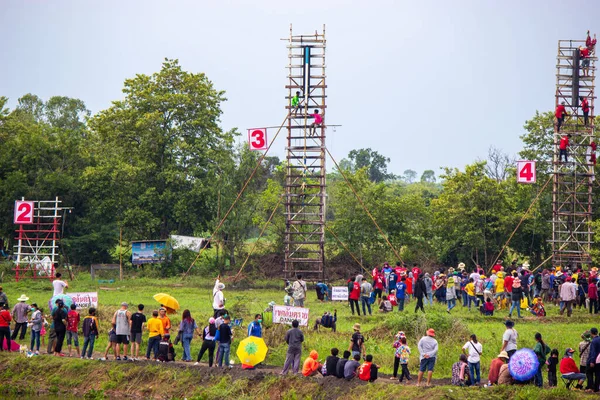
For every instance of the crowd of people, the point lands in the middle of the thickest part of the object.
(514, 288)
(511, 288)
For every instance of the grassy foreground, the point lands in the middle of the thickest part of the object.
(180, 380)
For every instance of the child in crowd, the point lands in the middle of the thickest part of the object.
(538, 307)
(397, 344)
(403, 353)
(90, 333)
(488, 308)
(460, 372)
(552, 363)
(392, 297)
(112, 341)
(73, 319)
(386, 305)
(166, 351)
(45, 325)
(368, 371)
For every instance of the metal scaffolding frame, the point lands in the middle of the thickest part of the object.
(572, 184)
(305, 196)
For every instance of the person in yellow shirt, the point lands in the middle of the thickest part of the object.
(470, 289)
(155, 332)
(499, 288)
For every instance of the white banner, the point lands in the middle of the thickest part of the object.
(188, 242)
(285, 315)
(84, 299)
(339, 293)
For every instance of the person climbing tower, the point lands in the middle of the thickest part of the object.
(585, 107)
(584, 54)
(563, 146)
(560, 114)
(318, 122)
(296, 103)
(590, 43)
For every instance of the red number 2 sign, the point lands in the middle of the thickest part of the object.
(23, 212)
(257, 139)
(526, 172)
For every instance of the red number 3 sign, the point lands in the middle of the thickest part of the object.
(257, 139)
(23, 212)
(526, 172)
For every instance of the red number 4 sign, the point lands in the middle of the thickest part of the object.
(257, 139)
(526, 172)
(23, 212)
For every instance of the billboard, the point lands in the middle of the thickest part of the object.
(149, 252)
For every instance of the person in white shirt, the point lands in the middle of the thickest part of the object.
(218, 298)
(473, 350)
(59, 285)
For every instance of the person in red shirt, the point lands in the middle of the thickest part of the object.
(368, 371)
(584, 54)
(585, 107)
(5, 319)
(563, 146)
(508, 282)
(416, 272)
(354, 294)
(378, 285)
(73, 319)
(498, 266)
(590, 43)
(560, 114)
(569, 369)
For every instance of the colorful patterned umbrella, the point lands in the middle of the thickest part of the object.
(252, 351)
(523, 365)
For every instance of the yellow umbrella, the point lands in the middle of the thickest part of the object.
(252, 351)
(169, 302)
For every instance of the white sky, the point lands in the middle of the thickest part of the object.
(426, 83)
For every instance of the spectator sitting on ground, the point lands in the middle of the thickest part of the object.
(327, 321)
(312, 366)
(368, 371)
(386, 305)
(351, 366)
(331, 363)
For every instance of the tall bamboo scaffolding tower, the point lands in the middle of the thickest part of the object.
(305, 197)
(572, 186)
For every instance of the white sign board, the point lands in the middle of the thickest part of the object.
(23, 212)
(285, 315)
(526, 172)
(84, 299)
(257, 139)
(339, 293)
(188, 242)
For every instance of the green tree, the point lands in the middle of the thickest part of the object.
(428, 176)
(375, 163)
(409, 176)
(157, 154)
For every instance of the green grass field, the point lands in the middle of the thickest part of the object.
(244, 301)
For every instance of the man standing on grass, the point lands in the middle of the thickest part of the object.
(294, 338)
(19, 314)
(3, 297)
(137, 326)
(122, 320)
(568, 293)
(428, 349)
(593, 369)
(218, 298)
(299, 294)
(59, 285)
(155, 333)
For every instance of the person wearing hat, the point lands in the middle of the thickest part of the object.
(208, 342)
(569, 370)
(568, 294)
(495, 366)
(218, 297)
(357, 342)
(509, 338)
(516, 297)
(3, 297)
(122, 321)
(428, 349)
(19, 314)
(584, 352)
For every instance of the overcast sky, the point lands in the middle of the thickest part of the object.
(426, 83)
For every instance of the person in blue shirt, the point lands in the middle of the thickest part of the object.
(255, 327)
(392, 279)
(400, 293)
(321, 289)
